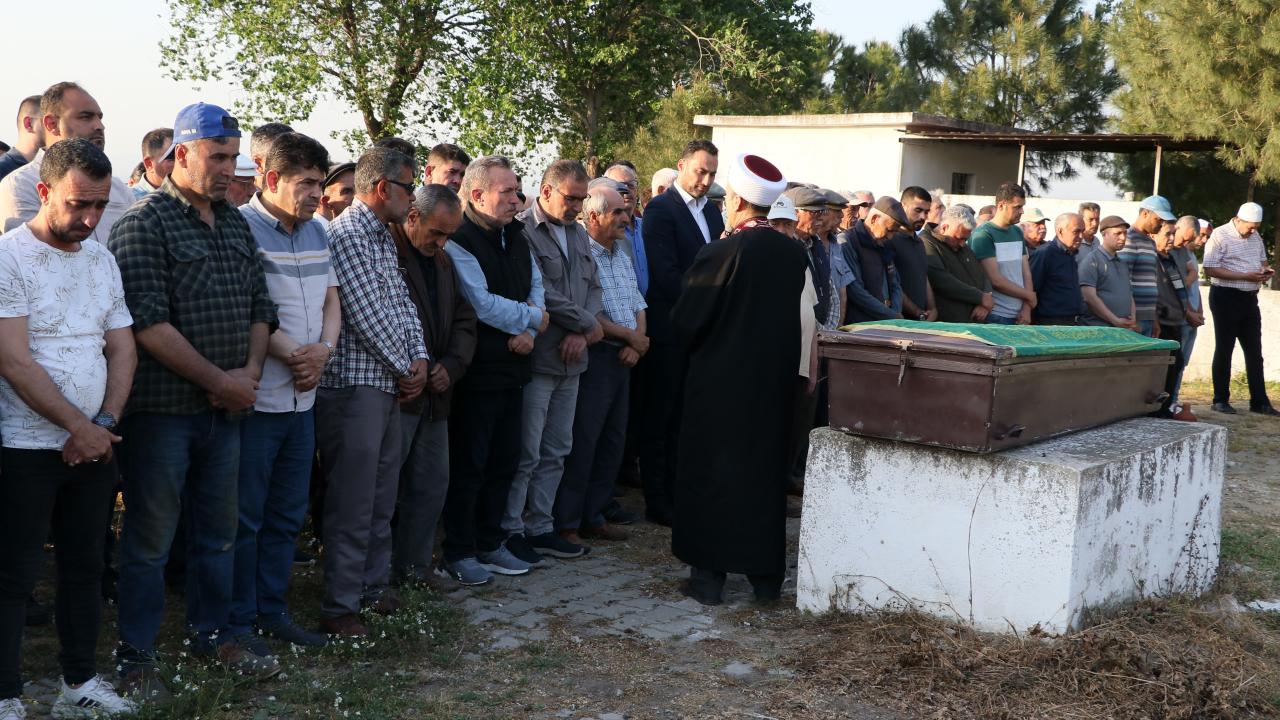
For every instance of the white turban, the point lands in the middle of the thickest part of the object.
(756, 180)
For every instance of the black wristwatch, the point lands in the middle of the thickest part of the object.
(105, 419)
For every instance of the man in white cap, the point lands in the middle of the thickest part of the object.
(1206, 228)
(782, 217)
(737, 318)
(244, 184)
(1034, 228)
(1236, 262)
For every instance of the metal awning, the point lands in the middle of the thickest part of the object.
(1071, 142)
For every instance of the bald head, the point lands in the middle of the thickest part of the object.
(1186, 230)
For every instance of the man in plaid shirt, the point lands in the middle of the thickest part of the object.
(380, 359)
(202, 316)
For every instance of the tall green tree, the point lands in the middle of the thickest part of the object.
(1036, 64)
(874, 78)
(375, 57)
(1206, 68)
(585, 74)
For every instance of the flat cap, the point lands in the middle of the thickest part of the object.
(890, 206)
(834, 199)
(807, 198)
(336, 169)
(1111, 221)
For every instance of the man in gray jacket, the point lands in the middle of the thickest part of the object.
(562, 250)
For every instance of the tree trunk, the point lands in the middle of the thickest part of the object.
(592, 162)
(1275, 246)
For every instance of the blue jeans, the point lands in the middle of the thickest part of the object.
(1147, 327)
(1188, 345)
(166, 459)
(276, 451)
(997, 320)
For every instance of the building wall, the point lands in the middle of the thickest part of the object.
(1052, 207)
(931, 164)
(840, 158)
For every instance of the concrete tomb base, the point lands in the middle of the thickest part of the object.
(1043, 534)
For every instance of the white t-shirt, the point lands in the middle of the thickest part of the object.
(70, 301)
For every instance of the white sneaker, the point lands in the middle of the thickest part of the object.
(94, 699)
(12, 709)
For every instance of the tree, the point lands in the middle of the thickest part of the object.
(1205, 68)
(585, 74)
(658, 143)
(875, 79)
(376, 57)
(1036, 64)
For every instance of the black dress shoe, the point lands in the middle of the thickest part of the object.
(689, 589)
(1265, 410)
(1223, 408)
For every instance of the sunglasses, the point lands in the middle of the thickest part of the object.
(407, 187)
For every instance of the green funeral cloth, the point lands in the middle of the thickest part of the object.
(1030, 340)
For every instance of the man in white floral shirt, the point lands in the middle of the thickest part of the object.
(67, 360)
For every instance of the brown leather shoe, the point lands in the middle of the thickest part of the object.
(572, 536)
(348, 625)
(604, 532)
(388, 603)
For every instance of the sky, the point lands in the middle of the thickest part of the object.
(136, 96)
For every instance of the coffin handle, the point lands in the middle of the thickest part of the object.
(1012, 431)
(1154, 398)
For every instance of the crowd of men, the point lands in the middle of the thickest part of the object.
(238, 340)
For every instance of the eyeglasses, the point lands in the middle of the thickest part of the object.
(407, 187)
(571, 198)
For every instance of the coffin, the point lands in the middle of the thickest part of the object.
(982, 388)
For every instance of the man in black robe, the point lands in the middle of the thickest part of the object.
(737, 317)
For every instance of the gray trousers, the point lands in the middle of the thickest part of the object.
(358, 434)
(424, 483)
(547, 436)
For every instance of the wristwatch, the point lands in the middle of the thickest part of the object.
(329, 345)
(105, 419)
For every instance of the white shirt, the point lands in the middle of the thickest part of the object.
(19, 201)
(70, 300)
(808, 321)
(695, 206)
(1226, 249)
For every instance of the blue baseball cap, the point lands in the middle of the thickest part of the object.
(1159, 206)
(202, 120)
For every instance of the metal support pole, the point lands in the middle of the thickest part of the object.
(1022, 162)
(1155, 185)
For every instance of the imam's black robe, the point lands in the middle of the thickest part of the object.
(739, 317)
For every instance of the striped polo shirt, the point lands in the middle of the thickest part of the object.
(1139, 253)
(1226, 249)
(299, 273)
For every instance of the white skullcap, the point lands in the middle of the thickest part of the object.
(1250, 212)
(783, 209)
(756, 180)
(245, 166)
(1204, 224)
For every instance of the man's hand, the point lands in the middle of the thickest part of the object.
(521, 344)
(596, 334)
(546, 318)
(628, 356)
(1031, 302)
(979, 314)
(307, 364)
(572, 347)
(88, 443)
(988, 302)
(1127, 324)
(931, 315)
(237, 392)
(411, 385)
(1024, 315)
(438, 379)
(1195, 319)
(639, 342)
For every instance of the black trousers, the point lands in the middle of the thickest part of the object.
(484, 451)
(1236, 319)
(37, 490)
(1175, 370)
(802, 421)
(599, 434)
(659, 438)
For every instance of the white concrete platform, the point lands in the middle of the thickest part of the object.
(1044, 534)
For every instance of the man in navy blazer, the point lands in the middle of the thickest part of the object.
(677, 224)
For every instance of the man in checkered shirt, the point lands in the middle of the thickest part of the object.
(1236, 262)
(380, 361)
